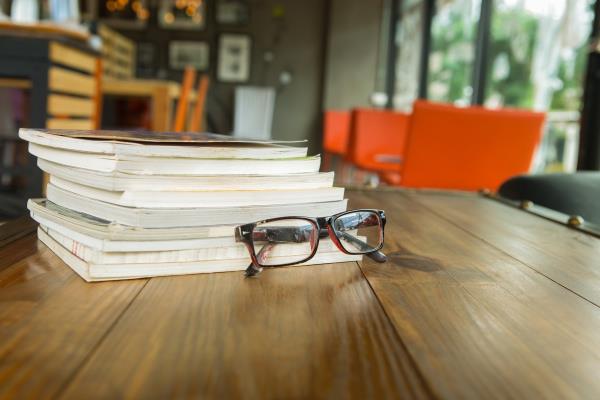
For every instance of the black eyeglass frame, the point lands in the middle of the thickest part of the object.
(323, 225)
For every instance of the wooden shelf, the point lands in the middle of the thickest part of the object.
(15, 83)
(44, 28)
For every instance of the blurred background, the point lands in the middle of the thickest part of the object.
(343, 74)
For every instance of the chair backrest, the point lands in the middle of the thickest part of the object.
(198, 113)
(253, 114)
(336, 131)
(189, 76)
(377, 139)
(468, 148)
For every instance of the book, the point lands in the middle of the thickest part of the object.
(128, 204)
(223, 251)
(118, 181)
(163, 144)
(101, 272)
(74, 222)
(175, 166)
(165, 218)
(200, 198)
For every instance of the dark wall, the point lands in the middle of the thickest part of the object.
(292, 31)
(355, 53)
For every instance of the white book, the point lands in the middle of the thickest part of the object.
(101, 272)
(166, 218)
(118, 181)
(152, 144)
(229, 251)
(107, 234)
(175, 166)
(201, 199)
(109, 245)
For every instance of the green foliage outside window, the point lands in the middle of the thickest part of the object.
(451, 58)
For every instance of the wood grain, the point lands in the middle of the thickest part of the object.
(62, 105)
(66, 81)
(50, 320)
(65, 123)
(478, 322)
(566, 256)
(65, 55)
(46, 30)
(299, 332)
(477, 300)
(14, 83)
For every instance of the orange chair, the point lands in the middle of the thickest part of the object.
(336, 131)
(468, 148)
(377, 141)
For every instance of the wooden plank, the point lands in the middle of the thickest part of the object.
(478, 322)
(51, 320)
(12, 83)
(45, 28)
(300, 332)
(568, 257)
(127, 87)
(58, 123)
(98, 102)
(119, 54)
(68, 105)
(63, 80)
(71, 57)
(121, 71)
(162, 109)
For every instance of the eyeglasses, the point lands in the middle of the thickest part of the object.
(278, 242)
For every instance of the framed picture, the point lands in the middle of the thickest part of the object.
(183, 53)
(146, 59)
(182, 14)
(232, 12)
(234, 57)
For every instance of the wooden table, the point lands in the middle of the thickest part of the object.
(161, 95)
(478, 300)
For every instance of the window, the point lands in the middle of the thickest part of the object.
(453, 32)
(527, 54)
(538, 51)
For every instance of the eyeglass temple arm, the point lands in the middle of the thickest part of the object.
(374, 255)
(254, 269)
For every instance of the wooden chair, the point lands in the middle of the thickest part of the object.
(468, 148)
(189, 76)
(198, 113)
(377, 140)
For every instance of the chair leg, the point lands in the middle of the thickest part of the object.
(326, 164)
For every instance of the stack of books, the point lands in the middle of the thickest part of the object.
(130, 204)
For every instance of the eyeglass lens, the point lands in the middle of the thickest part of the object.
(284, 241)
(359, 231)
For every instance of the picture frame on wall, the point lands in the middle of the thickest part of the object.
(232, 12)
(146, 59)
(235, 52)
(193, 53)
(182, 14)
